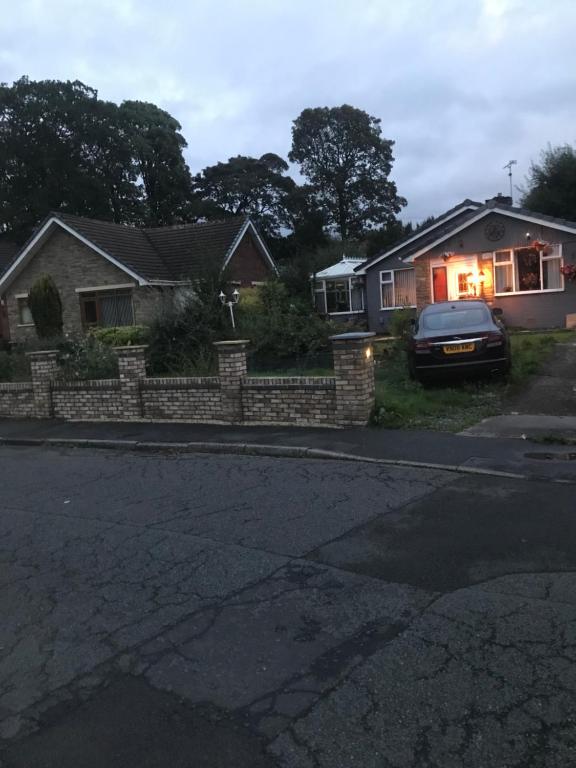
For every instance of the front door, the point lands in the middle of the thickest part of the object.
(439, 284)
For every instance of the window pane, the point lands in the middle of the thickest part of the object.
(551, 276)
(90, 312)
(405, 287)
(24, 312)
(387, 295)
(357, 296)
(337, 296)
(501, 256)
(528, 269)
(386, 277)
(503, 282)
(116, 310)
(320, 302)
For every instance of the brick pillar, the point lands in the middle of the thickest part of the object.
(354, 369)
(43, 368)
(232, 368)
(132, 369)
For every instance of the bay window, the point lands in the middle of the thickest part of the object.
(528, 270)
(398, 289)
(344, 295)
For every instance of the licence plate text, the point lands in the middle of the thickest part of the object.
(455, 349)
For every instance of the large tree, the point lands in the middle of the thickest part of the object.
(257, 187)
(157, 148)
(552, 183)
(61, 148)
(347, 162)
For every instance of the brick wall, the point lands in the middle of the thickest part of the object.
(248, 265)
(182, 399)
(87, 400)
(73, 265)
(423, 281)
(16, 399)
(232, 397)
(303, 401)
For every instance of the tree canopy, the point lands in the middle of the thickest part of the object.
(256, 187)
(63, 148)
(347, 162)
(552, 183)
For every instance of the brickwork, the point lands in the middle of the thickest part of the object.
(43, 369)
(87, 400)
(73, 265)
(194, 399)
(231, 397)
(423, 282)
(132, 370)
(232, 368)
(248, 265)
(16, 399)
(302, 401)
(354, 369)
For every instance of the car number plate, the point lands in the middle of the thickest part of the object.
(454, 349)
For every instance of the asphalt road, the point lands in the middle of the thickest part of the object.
(210, 612)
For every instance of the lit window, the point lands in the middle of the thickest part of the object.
(526, 270)
(398, 288)
(24, 313)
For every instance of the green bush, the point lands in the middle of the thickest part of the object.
(14, 366)
(46, 307)
(86, 358)
(401, 325)
(122, 336)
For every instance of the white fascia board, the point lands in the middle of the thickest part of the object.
(115, 287)
(419, 234)
(21, 260)
(238, 239)
(512, 214)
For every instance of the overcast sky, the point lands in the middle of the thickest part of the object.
(462, 86)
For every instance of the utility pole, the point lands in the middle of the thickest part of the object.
(508, 166)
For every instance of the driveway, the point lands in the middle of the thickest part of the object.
(197, 611)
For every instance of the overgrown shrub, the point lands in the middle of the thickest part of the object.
(46, 307)
(122, 336)
(86, 358)
(401, 325)
(14, 366)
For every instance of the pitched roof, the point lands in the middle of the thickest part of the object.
(463, 209)
(455, 219)
(8, 251)
(343, 268)
(161, 254)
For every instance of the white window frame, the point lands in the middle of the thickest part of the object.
(393, 283)
(511, 261)
(335, 280)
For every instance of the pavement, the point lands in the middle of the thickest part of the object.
(216, 611)
(464, 453)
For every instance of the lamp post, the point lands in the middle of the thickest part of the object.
(230, 303)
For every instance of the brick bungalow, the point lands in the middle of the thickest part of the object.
(111, 274)
(509, 256)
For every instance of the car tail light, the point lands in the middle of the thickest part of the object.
(494, 339)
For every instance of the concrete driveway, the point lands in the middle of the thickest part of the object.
(195, 611)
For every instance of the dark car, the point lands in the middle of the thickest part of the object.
(458, 337)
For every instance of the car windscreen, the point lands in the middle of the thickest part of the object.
(455, 319)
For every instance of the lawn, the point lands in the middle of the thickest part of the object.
(451, 407)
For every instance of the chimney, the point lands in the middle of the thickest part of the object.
(500, 199)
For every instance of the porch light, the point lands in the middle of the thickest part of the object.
(368, 353)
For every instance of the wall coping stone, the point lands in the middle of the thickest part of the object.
(15, 386)
(43, 353)
(353, 336)
(131, 348)
(181, 382)
(289, 382)
(63, 384)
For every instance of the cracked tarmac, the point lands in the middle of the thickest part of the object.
(232, 611)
